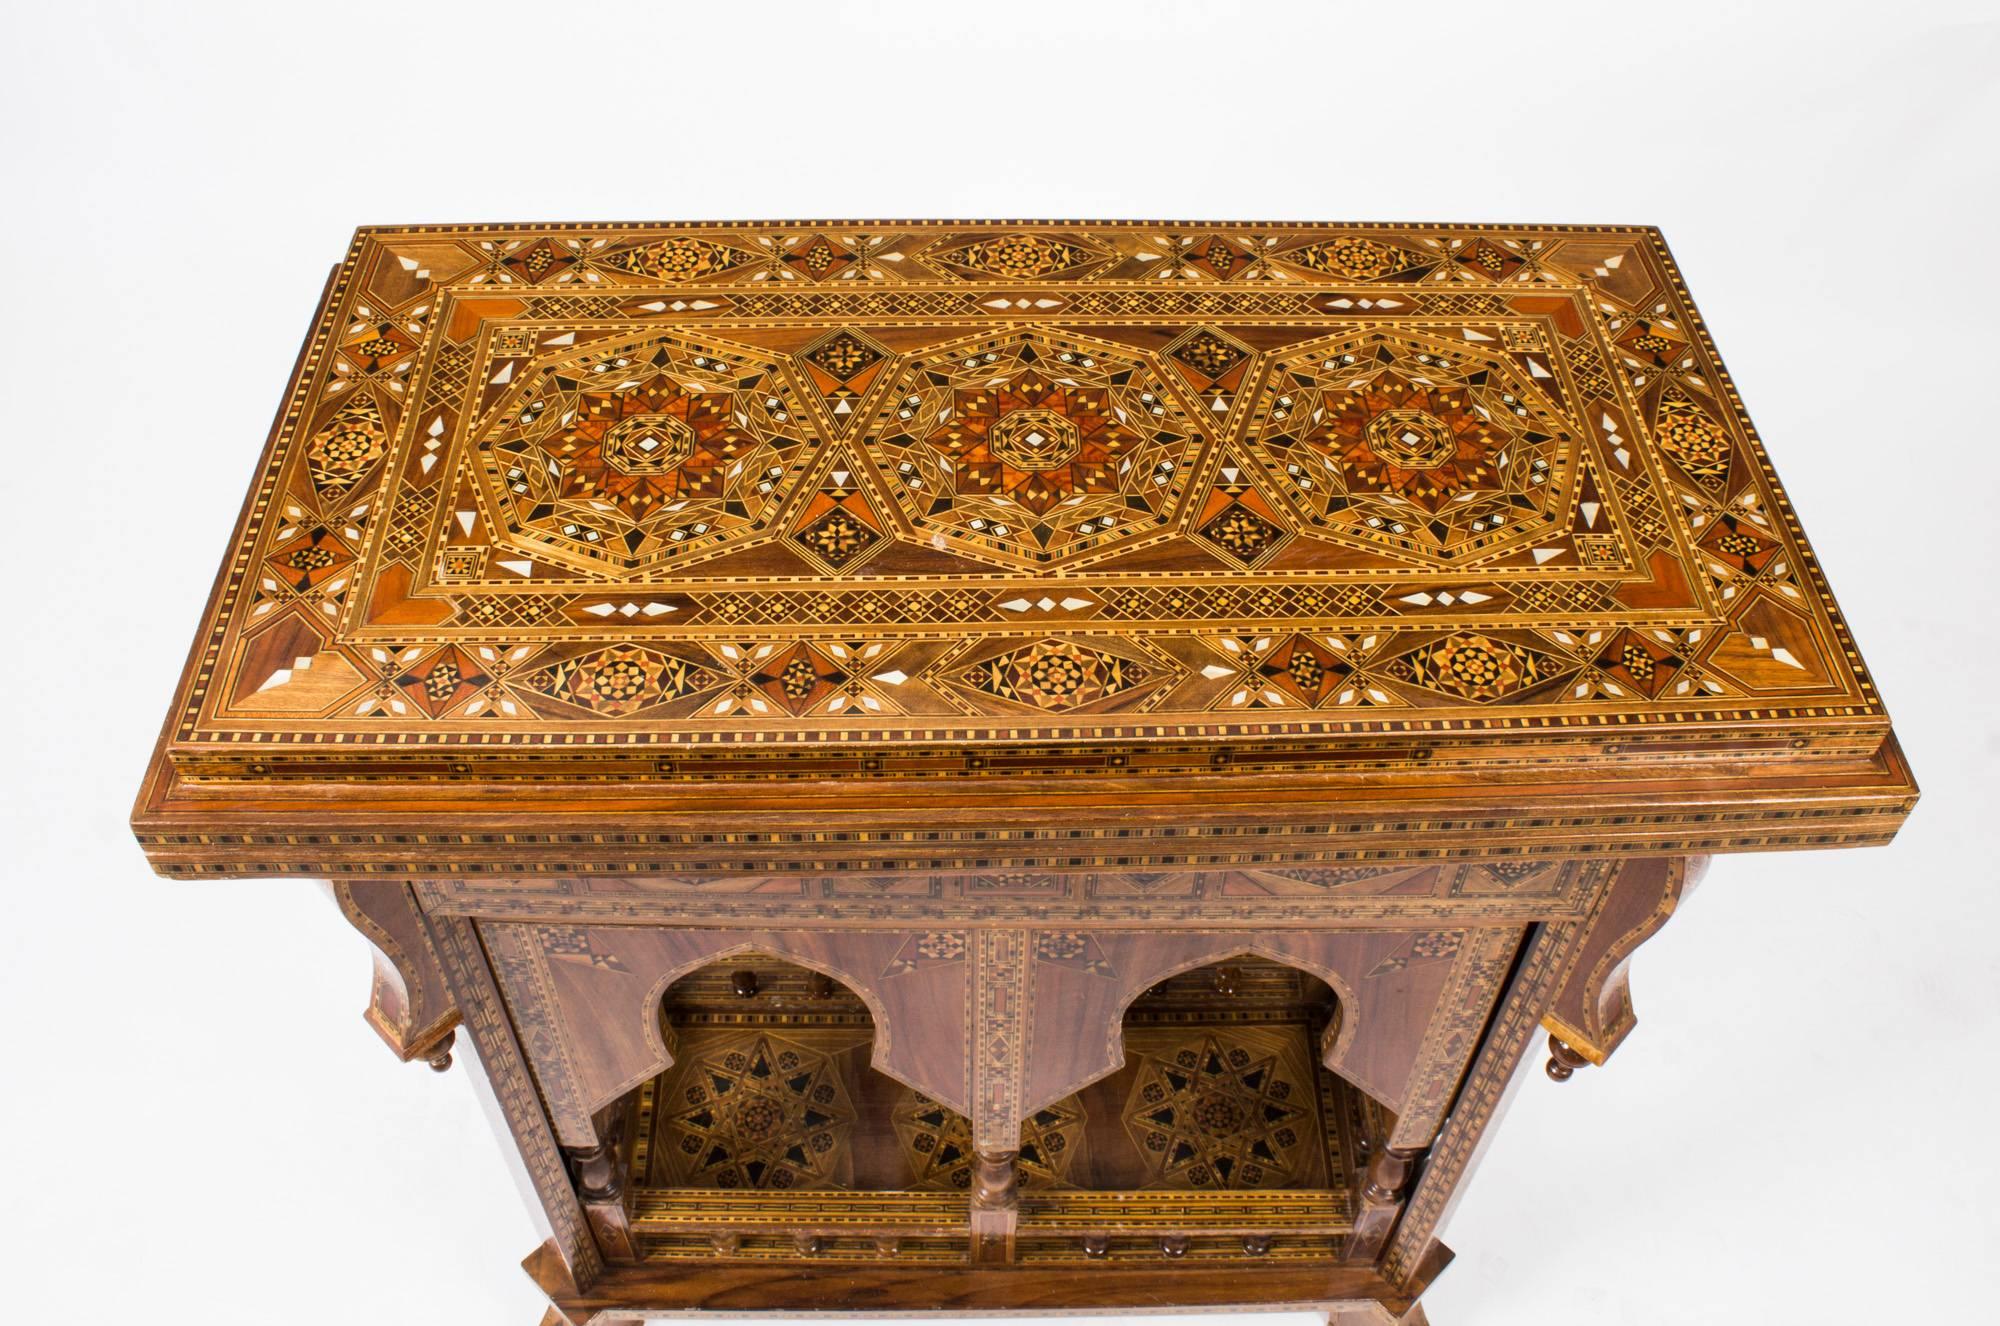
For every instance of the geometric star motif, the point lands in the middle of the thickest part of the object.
(635, 458)
(1032, 446)
(1431, 448)
(769, 1115)
(1211, 1114)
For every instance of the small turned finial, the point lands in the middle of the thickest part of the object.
(439, 1058)
(743, 982)
(822, 986)
(808, 1244)
(1173, 1246)
(1563, 1061)
(1256, 1245)
(1097, 1245)
(725, 1241)
(888, 1245)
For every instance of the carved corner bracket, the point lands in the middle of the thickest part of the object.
(409, 1005)
(1591, 1014)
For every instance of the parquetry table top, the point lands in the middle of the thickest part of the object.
(831, 500)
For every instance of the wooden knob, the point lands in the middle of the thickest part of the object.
(743, 982)
(1563, 1061)
(887, 1244)
(1256, 1245)
(808, 1244)
(440, 1056)
(1225, 980)
(822, 986)
(1174, 1246)
(725, 1241)
(1097, 1245)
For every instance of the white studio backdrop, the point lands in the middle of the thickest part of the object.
(197, 1126)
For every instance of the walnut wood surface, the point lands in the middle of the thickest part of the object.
(1004, 524)
(869, 1290)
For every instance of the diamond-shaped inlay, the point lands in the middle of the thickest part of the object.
(1473, 666)
(1241, 532)
(648, 444)
(620, 679)
(1034, 439)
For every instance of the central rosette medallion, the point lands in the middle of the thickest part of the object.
(1411, 439)
(1035, 440)
(1421, 441)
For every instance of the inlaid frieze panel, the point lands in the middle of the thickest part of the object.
(995, 1023)
(1350, 894)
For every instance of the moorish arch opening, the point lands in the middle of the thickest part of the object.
(1224, 1100)
(772, 1093)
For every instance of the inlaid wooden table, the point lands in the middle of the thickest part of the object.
(1029, 765)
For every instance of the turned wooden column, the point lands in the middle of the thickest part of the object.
(1389, 1176)
(601, 1188)
(996, 1207)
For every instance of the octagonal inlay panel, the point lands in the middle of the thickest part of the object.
(1034, 447)
(647, 455)
(1407, 442)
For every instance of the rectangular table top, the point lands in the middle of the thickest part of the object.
(838, 503)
